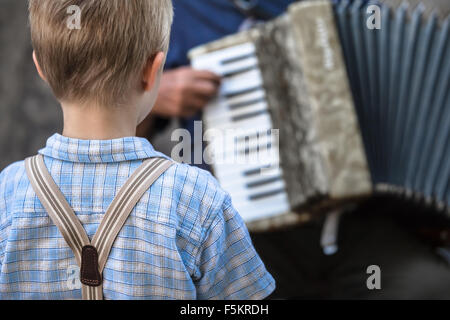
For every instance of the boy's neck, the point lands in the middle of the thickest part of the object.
(98, 123)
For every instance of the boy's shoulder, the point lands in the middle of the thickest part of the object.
(10, 179)
(11, 174)
(197, 185)
(198, 196)
(188, 196)
(193, 174)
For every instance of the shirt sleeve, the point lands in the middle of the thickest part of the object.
(228, 264)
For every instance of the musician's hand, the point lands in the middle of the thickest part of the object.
(185, 91)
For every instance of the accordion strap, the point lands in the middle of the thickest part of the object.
(91, 256)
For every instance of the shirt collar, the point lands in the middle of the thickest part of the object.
(98, 151)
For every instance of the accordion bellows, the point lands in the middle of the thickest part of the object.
(359, 110)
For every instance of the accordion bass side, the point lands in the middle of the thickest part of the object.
(359, 110)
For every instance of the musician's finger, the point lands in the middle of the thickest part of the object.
(199, 102)
(207, 75)
(207, 89)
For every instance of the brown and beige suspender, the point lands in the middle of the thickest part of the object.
(92, 255)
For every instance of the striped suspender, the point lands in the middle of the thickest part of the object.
(92, 255)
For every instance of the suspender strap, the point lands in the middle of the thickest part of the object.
(56, 206)
(92, 256)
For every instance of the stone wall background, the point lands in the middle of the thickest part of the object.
(28, 112)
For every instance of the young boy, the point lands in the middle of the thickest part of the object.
(181, 239)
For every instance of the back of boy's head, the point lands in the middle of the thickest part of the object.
(101, 61)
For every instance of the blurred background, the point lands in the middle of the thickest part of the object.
(385, 232)
(29, 113)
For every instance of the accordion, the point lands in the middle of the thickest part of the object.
(334, 108)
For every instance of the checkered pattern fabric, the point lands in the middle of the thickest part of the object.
(183, 240)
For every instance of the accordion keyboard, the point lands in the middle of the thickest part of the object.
(242, 147)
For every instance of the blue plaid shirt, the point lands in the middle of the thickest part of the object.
(183, 240)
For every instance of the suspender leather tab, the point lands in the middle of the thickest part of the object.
(89, 271)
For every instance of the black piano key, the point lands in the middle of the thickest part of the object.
(263, 182)
(247, 116)
(237, 59)
(244, 104)
(252, 172)
(264, 195)
(237, 72)
(256, 171)
(238, 93)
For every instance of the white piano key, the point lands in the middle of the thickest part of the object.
(240, 83)
(226, 54)
(225, 114)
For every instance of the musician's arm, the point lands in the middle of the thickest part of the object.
(182, 94)
(185, 91)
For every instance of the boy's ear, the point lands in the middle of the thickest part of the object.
(38, 67)
(152, 69)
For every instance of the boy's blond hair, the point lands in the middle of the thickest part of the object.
(103, 60)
